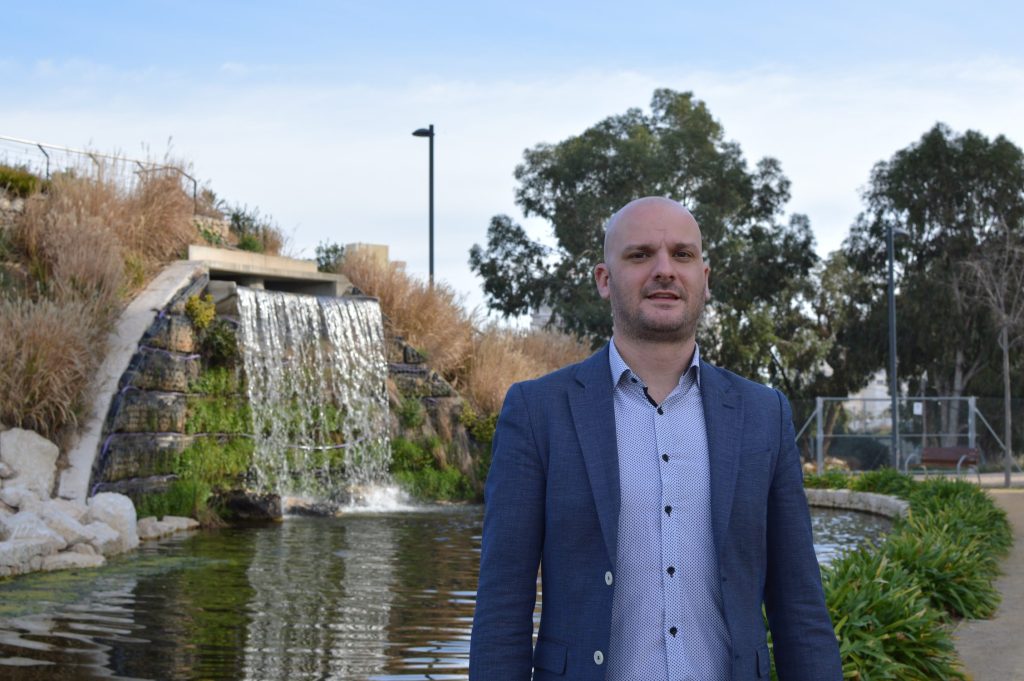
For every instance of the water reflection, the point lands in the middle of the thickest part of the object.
(380, 597)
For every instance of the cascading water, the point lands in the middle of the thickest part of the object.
(316, 373)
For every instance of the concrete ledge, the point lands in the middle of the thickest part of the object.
(271, 272)
(867, 502)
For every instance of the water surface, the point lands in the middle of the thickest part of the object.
(384, 597)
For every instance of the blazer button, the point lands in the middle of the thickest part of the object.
(598, 657)
(608, 578)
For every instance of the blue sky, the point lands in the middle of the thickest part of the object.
(304, 110)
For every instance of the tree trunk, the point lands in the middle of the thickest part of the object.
(1004, 343)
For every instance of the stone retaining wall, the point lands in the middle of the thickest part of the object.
(867, 502)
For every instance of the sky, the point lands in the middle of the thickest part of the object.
(304, 110)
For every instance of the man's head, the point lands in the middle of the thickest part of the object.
(653, 271)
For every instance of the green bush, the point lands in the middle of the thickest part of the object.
(442, 485)
(831, 479)
(186, 498)
(409, 456)
(411, 413)
(955, 570)
(219, 344)
(250, 242)
(18, 181)
(201, 311)
(883, 481)
(329, 256)
(885, 624)
(966, 510)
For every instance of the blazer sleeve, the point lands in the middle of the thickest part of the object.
(804, 641)
(501, 645)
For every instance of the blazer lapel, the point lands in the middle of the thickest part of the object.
(723, 418)
(593, 412)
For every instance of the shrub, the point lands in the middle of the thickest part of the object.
(18, 181)
(255, 232)
(831, 479)
(411, 413)
(954, 569)
(883, 481)
(186, 498)
(201, 311)
(219, 343)
(329, 256)
(48, 353)
(885, 624)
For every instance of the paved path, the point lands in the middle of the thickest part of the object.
(993, 650)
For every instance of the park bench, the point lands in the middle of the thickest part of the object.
(960, 458)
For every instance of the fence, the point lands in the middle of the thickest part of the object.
(858, 431)
(45, 160)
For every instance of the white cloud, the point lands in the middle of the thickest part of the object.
(337, 161)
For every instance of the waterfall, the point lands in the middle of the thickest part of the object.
(316, 379)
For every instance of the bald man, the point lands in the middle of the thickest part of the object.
(660, 496)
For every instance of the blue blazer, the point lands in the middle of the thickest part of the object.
(552, 501)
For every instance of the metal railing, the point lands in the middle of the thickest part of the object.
(42, 158)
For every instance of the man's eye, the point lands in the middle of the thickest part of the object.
(639, 255)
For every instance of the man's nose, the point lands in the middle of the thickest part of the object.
(663, 265)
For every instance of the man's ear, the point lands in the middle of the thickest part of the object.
(707, 283)
(601, 276)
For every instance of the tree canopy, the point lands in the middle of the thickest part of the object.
(760, 264)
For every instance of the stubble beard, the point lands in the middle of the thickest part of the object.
(633, 323)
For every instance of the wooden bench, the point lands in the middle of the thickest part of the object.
(960, 458)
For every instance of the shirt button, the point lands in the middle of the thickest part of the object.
(671, 570)
(660, 411)
(664, 457)
(668, 510)
(598, 657)
(673, 631)
(608, 579)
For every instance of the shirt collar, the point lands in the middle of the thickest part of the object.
(620, 369)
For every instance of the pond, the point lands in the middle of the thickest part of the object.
(363, 596)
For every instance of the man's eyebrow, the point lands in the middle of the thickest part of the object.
(654, 246)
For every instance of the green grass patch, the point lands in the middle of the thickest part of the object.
(831, 479)
(183, 498)
(18, 181)
(883, 481)
(416, 469)
(208, 414)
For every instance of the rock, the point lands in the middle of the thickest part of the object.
(16, 553)
(151, 528)
(103, 538)
(71, 561)
(73, 508)
(63, 524)
(117, 511)
(86, 549)
(32, 457)
(151, 412)
(178, 523)
(19, 497)
(5, 470)
(28, 525)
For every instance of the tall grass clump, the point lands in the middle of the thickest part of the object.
(47, 356)
(883, 481)
(85, 245)
(430, 318)
(885, 622)
(502, 356)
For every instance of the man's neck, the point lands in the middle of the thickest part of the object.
(659, 365)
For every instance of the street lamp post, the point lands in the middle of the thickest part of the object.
(891, 233)
(429, 132)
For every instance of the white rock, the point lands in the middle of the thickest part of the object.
(5, 470)
(86, 549)
(117, 511)
(32, 457)
(70, 561)
(19, 495)
(28, 525)
(151, 528)
(103, 538)
(72, 508)
(63, 524)
(180, 523)
(16, 553)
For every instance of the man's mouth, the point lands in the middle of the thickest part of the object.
(663, 295)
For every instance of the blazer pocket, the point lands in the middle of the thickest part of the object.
(550, 655)
(764, 662)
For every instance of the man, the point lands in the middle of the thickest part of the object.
(661, 496)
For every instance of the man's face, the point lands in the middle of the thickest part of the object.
(654, 273)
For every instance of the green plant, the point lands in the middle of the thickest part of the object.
(219, 344)
(954, 569)
(18, 181)
(883, 481)
(201, 311)
(250, 242)
(329, 256)
(480, 426)
(830, 479)
(886, 626)
(409, 456)
(183, 498)
(411, 413)
(210, 236)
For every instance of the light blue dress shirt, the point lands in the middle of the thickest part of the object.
(667, 621)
